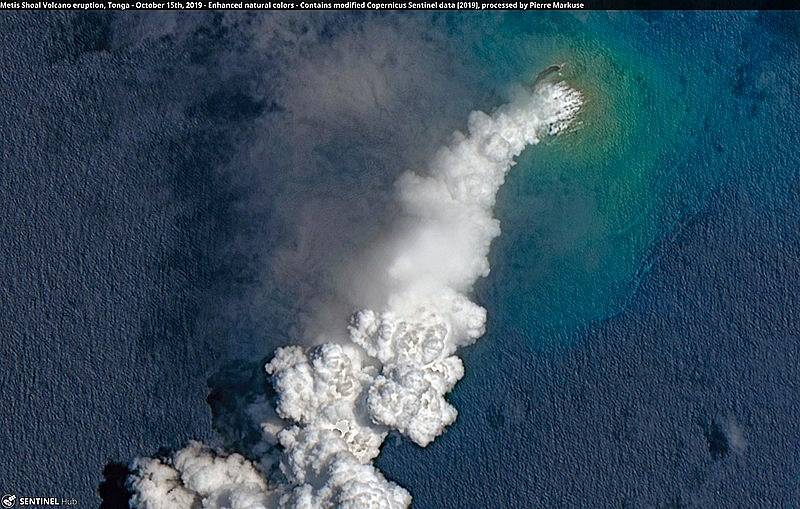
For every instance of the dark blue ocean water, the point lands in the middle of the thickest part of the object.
(643, 329)
(109, 218)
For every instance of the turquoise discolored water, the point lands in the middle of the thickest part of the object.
(582, 214)
(642, 312)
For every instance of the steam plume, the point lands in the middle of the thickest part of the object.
(391, 367)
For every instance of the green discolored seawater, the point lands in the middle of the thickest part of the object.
(675, 203)
(582, 214)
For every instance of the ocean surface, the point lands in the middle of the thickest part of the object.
(176, 189)
(643, 314)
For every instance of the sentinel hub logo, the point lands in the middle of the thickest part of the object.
(8, 501)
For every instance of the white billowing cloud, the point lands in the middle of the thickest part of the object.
(157, 485)
(321, 388)
(324, 473)
(196, 477)
(395, 364)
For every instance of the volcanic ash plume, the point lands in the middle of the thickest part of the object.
(391, 368)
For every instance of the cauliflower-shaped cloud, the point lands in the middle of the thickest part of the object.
(196, 477)
(411, 399)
